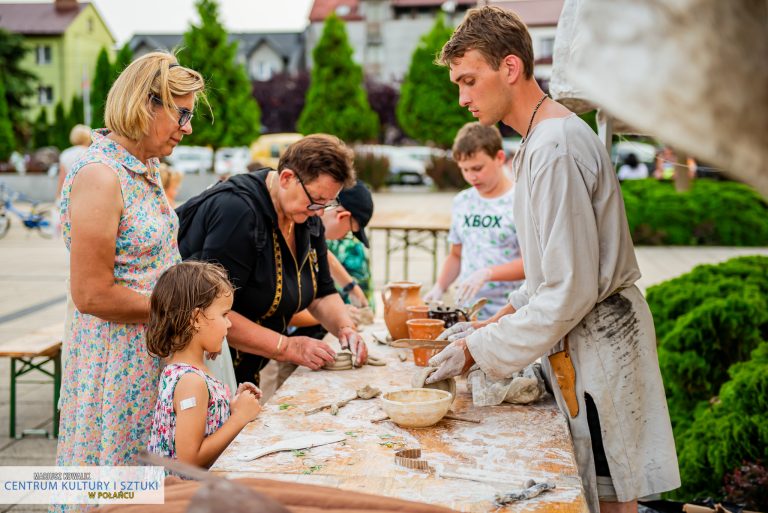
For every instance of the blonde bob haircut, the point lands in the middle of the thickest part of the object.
(129, 113)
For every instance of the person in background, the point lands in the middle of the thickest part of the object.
(80, 139)
(632, 169)
(171, 182)
(194, 420)
(666, 161)
(484, 254)
(121, 235)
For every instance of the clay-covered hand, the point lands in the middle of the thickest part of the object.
(434, 295)
(308, 352)
(457, 331)
(249, 387)
(469, 288)
(452, 361)
(349, 338)
(245, 406)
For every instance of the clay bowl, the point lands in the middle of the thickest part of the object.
(416, 407)
(422, 353)
(417, 312)
(425, 329)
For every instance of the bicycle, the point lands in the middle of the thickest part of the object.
(40, 216)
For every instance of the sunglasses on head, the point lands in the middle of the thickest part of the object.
(185, 115)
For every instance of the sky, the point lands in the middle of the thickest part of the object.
(128, 17)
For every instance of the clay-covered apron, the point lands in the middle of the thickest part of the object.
(613, 356)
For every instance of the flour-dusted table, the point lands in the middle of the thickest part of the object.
(509, 445)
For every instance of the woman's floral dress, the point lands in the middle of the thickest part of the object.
(110, 380)
(163, 438)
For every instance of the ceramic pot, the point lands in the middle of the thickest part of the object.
(422, 354)
(397, 296)
(449, 315)
(418, 312)
(425, 329)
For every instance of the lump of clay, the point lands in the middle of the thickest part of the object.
(421, 375)
(343, 361)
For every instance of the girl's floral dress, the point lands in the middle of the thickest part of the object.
(110, 380)
(163, 438)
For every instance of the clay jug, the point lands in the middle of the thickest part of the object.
(397, 296)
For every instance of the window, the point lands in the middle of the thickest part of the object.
(89, 24)
(546, 47)
(43, 54)
(45, 95)
(263, 70)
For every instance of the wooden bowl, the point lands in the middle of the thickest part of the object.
(425, 329)
(416, 407)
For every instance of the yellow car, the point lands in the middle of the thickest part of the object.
(268, 148)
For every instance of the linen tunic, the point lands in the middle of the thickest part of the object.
(110, 381)
(580, 272)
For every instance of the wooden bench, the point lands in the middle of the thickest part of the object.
(45, 344)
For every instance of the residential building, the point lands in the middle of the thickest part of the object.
(384, 33)
(262, 54)
(65, 38)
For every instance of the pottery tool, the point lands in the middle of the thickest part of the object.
(530, 490)
(476, 307)
(446, 417)
(293, 444)
(367, 392)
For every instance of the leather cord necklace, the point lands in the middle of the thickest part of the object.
(530, 123)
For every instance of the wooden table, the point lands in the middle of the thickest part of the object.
(412, 230)
(511, 444)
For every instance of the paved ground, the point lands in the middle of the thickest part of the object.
(33, 272)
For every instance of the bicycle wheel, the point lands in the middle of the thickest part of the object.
(5, 224)
(44, 221)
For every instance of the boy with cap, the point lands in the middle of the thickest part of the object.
(484, 254)
(347, 258)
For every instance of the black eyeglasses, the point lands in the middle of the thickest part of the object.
(185, 115)
(314, 206)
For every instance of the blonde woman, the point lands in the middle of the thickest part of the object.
(121, 234)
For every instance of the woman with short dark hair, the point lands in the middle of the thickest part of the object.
(264, 228)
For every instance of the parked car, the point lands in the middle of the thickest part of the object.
(231, 161)
(267, 149)
(404, 168)
(191, 159)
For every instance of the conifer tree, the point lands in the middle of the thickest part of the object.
(61, 128)
(236, 115)
(41, 131)
(76, 112)
(7, 139)
(429, 110)
(19, 83)
(336, 101)
(102, 81)
(123, 58)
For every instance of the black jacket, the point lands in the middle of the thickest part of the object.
(234, 223)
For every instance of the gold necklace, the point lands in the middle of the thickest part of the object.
(269, 187)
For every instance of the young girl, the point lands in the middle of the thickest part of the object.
(193, 419)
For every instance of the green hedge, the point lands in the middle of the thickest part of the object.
(712, 328)
(712, 213)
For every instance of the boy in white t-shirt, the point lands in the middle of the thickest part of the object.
(484, 254)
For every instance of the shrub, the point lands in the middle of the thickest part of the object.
(748, 485)
(711, 213)
(705, 321)
(372, 169)
(446, 174)
(733, 428)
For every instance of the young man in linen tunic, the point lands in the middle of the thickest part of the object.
(580, 272)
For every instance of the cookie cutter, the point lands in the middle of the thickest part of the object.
(411, 459)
